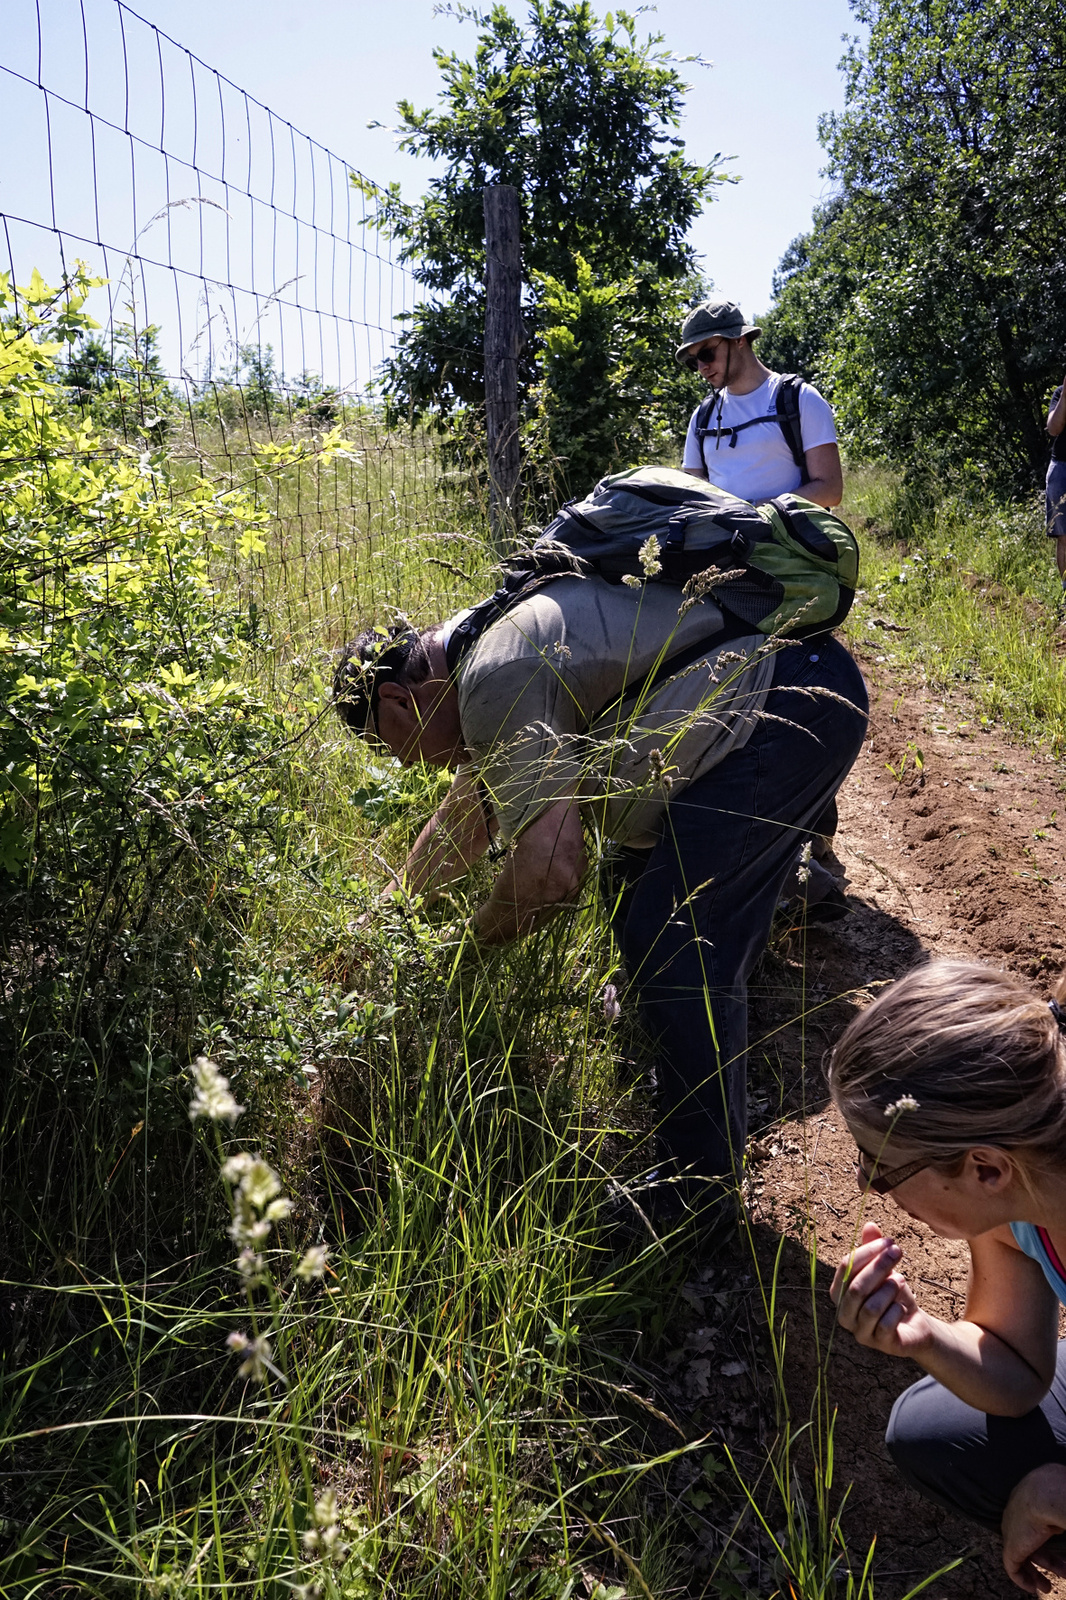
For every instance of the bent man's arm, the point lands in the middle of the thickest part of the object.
(826, 483)
(455, 836)
(542, 873)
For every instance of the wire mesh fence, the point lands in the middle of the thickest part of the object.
(246, 298)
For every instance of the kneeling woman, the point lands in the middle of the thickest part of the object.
(953, 1085)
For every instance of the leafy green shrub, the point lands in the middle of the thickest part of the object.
(141, 797)
(610, 394)
(120, 383)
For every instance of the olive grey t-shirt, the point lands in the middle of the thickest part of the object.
(533, 688)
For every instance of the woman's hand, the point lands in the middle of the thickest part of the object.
(1036, 1512)
(874, 1302)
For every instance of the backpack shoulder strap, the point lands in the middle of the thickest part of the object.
(788, 415)
(702, 424)
(517, 584)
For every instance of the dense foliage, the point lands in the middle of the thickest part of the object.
(140, 807)
(930, 295)
(579, 116)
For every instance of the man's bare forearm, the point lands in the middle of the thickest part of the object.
(542, 874)
(454, 838)
(827, 492)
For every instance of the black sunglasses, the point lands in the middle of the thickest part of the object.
(706, 352)
(882, 1182)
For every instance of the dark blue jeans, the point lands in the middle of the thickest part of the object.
(693, 914)
(970, 1462)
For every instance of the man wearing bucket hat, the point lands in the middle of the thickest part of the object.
(759, 434)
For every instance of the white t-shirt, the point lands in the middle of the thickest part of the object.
(756, 464)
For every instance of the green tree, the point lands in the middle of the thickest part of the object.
(580, 117)
(929, 295)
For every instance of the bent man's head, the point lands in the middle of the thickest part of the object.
(392, 685)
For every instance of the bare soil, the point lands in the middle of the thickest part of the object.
(950, 840)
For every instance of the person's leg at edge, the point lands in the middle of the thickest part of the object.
(966, 1461)
(1055, 502)
(699, 914)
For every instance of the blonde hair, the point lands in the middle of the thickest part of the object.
(982, 1057)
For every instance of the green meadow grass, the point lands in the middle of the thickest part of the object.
(971, 581)
(467, 1375)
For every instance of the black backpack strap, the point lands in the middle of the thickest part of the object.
(788, 415)
(516, 585)
(702, 423)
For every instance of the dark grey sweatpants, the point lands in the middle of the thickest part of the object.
(969, 1462)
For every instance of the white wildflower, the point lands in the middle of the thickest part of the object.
(324, 1538)
(278, 1210)
(562, 650)
(649, 557)
(631, 581)
(256, 1354)
(906, 1102)
(250, 1265)
(211, 1096)
(803, 871)
(313, 1264)
(612, 1008)
(260, 1184)
(325, 1512)
(234, 1169)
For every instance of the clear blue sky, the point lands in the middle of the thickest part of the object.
(330, 69)
(335, 65)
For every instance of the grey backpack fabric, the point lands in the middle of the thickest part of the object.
(785, 567)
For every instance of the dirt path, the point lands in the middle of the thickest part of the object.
(951, 840)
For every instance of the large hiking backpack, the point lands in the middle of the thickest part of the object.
(784, 567)
(785, 415)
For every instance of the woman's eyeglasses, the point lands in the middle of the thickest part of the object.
(882, 1182)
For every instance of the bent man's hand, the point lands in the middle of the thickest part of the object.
(1036, 1512)
(874, 1302)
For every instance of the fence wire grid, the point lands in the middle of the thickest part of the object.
(248, 294)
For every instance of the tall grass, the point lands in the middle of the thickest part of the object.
(467, 1378)
(968, 583)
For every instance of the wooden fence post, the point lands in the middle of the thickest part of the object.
(504, 338)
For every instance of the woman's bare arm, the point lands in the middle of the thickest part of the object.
(999, 1358)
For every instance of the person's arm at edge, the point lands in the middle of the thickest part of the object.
(1056, 417)
(1036, 1512)
(543, 872)
(455, 836)
(825, 486)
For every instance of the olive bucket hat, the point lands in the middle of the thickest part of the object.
(713, 319)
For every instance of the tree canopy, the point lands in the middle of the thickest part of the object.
(930, 295)
(580, 116)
